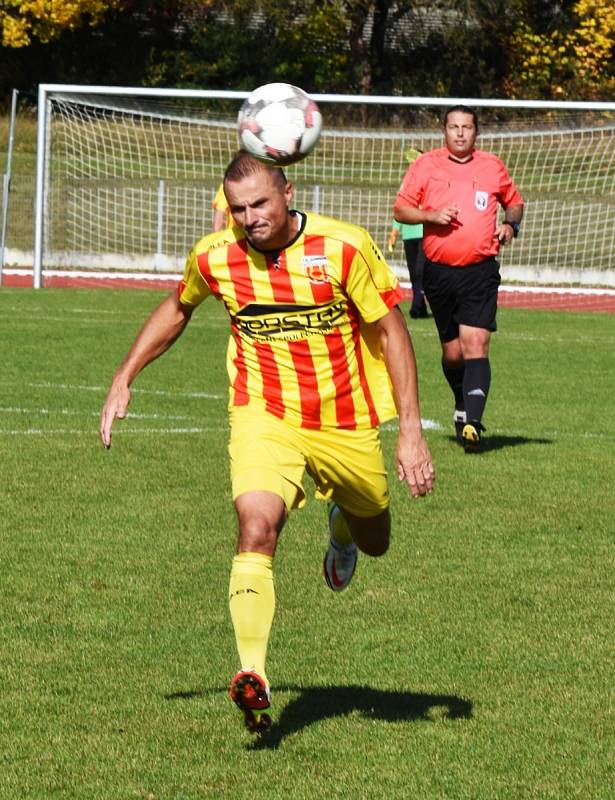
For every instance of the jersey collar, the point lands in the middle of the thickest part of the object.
(465, 160)
(275, 252)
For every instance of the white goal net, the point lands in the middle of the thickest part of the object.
(127, 177)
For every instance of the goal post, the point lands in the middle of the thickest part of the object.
(6, 178)
(125, 177)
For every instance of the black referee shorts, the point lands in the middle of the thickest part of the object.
(462, 295)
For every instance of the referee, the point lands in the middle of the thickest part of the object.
(455, 191)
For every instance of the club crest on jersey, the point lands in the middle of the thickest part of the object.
(480, 200)
(315, 267)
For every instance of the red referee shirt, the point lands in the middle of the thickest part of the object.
(476, 187)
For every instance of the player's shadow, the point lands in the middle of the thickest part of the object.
(500, 442)
(317, 703)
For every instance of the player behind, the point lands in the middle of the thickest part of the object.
(221, 215)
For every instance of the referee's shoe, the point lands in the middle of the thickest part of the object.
(459, 421)
(470, 436)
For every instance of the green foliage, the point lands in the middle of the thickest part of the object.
(483, 48)
(21, 21)
(575, 59)
(473, 661)
(243, 49)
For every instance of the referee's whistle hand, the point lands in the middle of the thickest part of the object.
(445, 216)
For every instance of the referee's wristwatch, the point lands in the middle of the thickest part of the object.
(514, 225)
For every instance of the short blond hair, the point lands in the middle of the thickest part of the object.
(243, 165)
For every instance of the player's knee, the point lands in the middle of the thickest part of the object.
(452, 360)
(261, 517)
(256, 535)
(372, 536)
(375, 546)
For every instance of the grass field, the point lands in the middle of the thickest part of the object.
(474, 661)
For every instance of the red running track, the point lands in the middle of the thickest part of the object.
(545, 298)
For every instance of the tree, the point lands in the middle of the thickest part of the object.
(574, 60)
(482, 48)
(245, 43)
(124, 48)
(593, 47)
(21, 21)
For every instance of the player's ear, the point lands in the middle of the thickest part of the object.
(289, 191)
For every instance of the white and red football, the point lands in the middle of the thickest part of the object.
(279, 124)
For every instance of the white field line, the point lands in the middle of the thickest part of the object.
(556, 290)
(94, 432)
(388, 427)
(428, 424)
(560, 339)
(65, 412)
(549, 434)
(429, 331)
(161, 392)
(391, 426)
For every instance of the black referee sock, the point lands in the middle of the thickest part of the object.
(454, 376)
(476, 382)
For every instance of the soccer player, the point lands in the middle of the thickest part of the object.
(412, 238)
(455, 191)
(221, 217)
(319, 354)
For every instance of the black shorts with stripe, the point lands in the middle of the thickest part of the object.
(462, 295)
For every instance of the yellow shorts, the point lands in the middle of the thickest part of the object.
(269, 455)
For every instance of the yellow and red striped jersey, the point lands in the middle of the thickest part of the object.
(300, 346)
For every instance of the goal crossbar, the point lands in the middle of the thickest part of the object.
(123, 182)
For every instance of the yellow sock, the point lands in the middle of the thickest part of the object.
(338, 527)
(252, 605)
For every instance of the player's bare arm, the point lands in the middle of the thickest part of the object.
(414, 462)
(160, 330)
